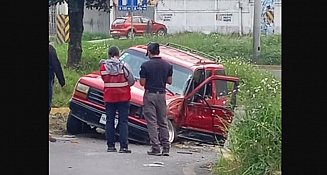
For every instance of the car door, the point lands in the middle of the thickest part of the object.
(137, 25)
(209, 107)
(146, 25)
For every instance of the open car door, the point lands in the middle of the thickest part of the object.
(208, 109)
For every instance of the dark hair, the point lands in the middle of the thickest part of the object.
(113, 51)
(153, 48)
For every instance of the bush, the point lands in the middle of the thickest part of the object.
(255, 139)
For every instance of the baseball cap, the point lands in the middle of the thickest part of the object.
(153, 48)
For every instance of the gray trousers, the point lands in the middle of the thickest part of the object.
(155, 116)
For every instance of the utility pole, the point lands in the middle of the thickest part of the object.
(256, 31)
(132, 19)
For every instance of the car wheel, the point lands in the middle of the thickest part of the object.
(75, 126)
(161, 32)
(172, 132)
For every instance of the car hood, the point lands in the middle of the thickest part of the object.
(94, 80)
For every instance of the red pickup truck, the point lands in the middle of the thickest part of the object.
(200, 101)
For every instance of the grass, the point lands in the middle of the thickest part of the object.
(254, 139)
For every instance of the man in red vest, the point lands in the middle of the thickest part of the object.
(117, 77)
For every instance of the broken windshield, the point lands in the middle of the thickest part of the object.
(180, 74)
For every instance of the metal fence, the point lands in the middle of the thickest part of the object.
(52, 20)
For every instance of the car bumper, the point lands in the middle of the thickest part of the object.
(90, 115)
(118, 33)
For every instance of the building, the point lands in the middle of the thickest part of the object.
(221, 16)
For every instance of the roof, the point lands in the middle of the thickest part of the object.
(181, 57)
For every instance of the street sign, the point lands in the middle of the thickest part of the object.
(132, 5)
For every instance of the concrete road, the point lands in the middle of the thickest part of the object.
(85, 155)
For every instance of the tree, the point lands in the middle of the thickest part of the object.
(76, 13)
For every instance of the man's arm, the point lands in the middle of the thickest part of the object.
(169, 80)
(142, 81)
(170, 75)
(57, 66)
(142, 75)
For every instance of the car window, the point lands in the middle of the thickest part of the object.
(180, 79)
(119, 21)
(136, 20)
(145, 20)
(134, 59)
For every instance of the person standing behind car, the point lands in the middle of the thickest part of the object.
(117, 77)
(54, 70)
(154, 74)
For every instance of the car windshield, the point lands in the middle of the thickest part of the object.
(180, 75)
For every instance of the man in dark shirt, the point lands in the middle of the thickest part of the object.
(55, 70)
(154, 75)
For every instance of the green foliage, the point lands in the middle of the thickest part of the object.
(88, 36)
(255, 138)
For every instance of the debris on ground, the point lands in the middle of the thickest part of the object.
(152, 165)
(74, 141)
(68, 136)
(52, 139)
(184, 152)
(207, 166)
(159, 163)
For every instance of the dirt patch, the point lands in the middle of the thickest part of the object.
(57, 124)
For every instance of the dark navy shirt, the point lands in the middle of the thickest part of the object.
(156, 71)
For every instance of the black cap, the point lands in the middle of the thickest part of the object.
(113, 51)
(153, 48)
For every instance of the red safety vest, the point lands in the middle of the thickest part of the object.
(116, 88)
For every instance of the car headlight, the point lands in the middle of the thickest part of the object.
(82, 88)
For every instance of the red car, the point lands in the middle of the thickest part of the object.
(200, 101)
(122, 27)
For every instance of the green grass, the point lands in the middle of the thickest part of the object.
(254, 139)
(87, 36)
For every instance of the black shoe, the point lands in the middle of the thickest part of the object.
(124, 150)
(165, 151)
(154, 152)
(111, 149)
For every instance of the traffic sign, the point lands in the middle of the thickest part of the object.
(127, 5)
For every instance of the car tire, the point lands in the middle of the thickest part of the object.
(75, 126)
(161, 32)
(172, 132)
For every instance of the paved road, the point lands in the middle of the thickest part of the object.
(86, 155)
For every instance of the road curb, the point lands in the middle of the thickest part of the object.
(271, 67)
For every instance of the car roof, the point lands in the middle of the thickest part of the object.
(181, 57)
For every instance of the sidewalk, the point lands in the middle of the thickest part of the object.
(269, 67)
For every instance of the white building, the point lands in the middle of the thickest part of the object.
(221, 16)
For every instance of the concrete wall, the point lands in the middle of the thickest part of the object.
(222, 16)
(96, 21)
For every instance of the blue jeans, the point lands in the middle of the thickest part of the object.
(123, 110)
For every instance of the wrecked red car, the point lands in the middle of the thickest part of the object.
(200, 101)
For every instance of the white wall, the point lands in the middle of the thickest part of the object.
(223, 16)
(96, 21)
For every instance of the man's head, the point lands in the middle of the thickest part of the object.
(152, 49)
(113, 51)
